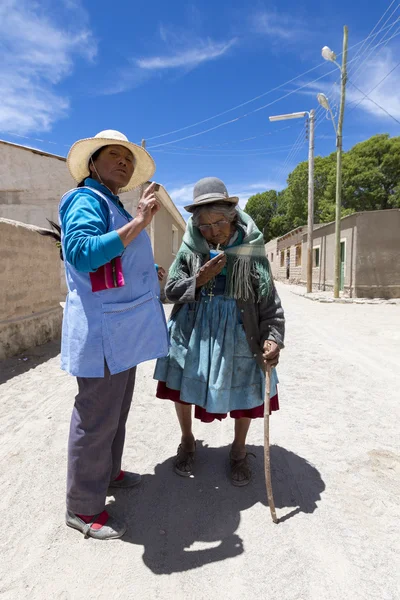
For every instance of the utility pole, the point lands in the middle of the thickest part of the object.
(311, 117)
(310, 226)
(339, 139)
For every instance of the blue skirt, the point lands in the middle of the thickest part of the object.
(210, 361)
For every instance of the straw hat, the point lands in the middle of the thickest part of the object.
(208, 191)
(80, 153)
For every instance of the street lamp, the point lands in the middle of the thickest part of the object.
(324, 102)
(329, 55)
(310, 225)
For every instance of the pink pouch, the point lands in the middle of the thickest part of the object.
(108, 276)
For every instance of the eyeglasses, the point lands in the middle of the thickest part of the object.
(218, 224)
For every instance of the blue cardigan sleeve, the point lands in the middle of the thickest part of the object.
(87, 244)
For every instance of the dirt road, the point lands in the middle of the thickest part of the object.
(336, 469)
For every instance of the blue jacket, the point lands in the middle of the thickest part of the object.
(122, 326)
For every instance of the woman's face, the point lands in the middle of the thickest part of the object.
(215, 228)
(115, 166)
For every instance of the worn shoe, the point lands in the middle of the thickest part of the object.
(183, 463)
(110, 530)
(126, 480)
(240, 470)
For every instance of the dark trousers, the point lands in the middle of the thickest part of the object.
(96, 438)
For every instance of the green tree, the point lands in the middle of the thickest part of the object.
(261, 208)
(370, 181)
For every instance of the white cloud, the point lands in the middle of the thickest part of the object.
(370, 76)
(278, 26)
(192, 57)
(245, 191)
(37, 54)
(387, 94)
(183, 195)
(182, 52)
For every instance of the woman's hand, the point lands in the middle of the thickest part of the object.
(211, 269)
(161, 273)
(271, 353)
(148, 205)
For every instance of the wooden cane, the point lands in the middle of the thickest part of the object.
(267, 460)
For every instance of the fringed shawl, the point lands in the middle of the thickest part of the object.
(248, 275)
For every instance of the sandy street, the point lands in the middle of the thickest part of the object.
(336, 467)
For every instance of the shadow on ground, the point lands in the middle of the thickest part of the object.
(168, 513)
(31, 358)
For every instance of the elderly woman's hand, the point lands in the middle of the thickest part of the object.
(148, 205)
(271, 353)
(211, 269)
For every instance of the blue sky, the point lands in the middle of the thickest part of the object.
(72, 68)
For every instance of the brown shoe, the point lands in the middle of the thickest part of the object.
(183, 463)
(240, 470)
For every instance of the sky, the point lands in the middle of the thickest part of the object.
(197, 81)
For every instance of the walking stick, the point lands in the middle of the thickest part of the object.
(267, 461)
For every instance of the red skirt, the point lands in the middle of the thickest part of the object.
(165, 393)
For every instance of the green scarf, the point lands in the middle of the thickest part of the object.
(246, 264)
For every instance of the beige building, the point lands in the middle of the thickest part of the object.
(31, 185)
(30, 311)
(370, 251)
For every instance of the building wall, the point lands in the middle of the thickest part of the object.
(324, 238)
(31, 184)
(288, 268)
(30, 312)
(167, 238)
(271, 250)
(378, 252)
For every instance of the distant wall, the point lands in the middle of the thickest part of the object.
(30, 313)
(378, 254)
(271, 250)
(290, 256)
(324, 240)
(31, 184)
(167, 238)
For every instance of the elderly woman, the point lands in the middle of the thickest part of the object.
(226, 326)
(113, 319)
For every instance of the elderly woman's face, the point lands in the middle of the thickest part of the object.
(115, 166)
(215, 228)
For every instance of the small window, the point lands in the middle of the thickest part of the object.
(174, 240)
(282, 258)
(316, 257)
(298, 255)
(272, 257)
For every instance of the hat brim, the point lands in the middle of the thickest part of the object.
(231, 200)
(80, 153)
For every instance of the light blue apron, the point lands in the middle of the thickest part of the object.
(125, 326)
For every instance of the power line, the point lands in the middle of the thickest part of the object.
(247, 114)
(370, 35)
(242, 116)
(249, 101)
(236, 119)
(228, 143)
(373, 101)
(220, 155)
(382, 41)
(206, 151)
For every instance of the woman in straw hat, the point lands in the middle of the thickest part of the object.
(226, 326)
(113, 319)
